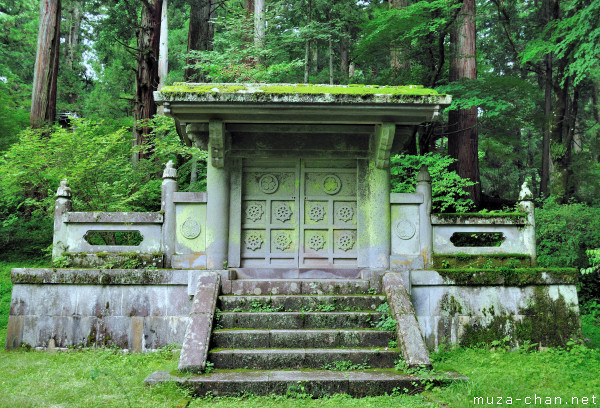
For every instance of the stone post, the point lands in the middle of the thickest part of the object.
(61, 207)
(167, 206)
(526, 205)
(425, 229)
(380, 239)
(217, 207)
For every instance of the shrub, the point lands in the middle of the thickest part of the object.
(448, 188)
(96, 159)
(565, 232)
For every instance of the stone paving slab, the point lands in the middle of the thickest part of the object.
(297, 302)
(298, 320)
(269, 359)
(318, 383)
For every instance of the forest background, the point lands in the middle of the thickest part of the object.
(524, 76)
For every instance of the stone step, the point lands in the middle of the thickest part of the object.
(297, 320)
(269, 359)
(301, 338)
(300, 287)
(325, 303)
(318, 383)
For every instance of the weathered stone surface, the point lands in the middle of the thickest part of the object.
(410, 339)
(197, 337)
(301, 338)
(298, 320)
(265, 359)
(99, 276)
(304, 302)
(317, 383)
(115, 217)
(466, 314)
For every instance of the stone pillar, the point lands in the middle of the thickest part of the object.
(378, 181)
(526, 205)
(217, 207)
(425, 229)
(61, 207)
(169, 228)
(380, 239)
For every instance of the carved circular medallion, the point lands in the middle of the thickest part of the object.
(405, 229)
(283, 212)
(331, 184)
(253, 241)
(316, 212)
(268, 184)
(345, 241)
(190, 229)
(345, 213)
(254, 212)
(316, 242)
(282, 241)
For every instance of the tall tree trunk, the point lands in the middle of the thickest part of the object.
(330, 61)
(545, 173)
(200, 34)
(398, 60)
(148, 41)
(344, 57)
(259, 23)
(45, 76)
(72, 36)
(463, 142)
(163, 51)
(315, 57)
(307, 47)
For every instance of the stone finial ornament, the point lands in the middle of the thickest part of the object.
(170, 171)
(424, 175)
(64, 190)
(525, 194)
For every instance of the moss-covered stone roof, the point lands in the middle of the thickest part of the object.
(308, 93)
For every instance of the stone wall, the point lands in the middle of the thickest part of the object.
(542, 308)
(137, 310)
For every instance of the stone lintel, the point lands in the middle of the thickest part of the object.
(406, 198)
(115, 217)
(190, 197)
(474, 219)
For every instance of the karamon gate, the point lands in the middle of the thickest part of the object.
(299, 183)
(298, 241)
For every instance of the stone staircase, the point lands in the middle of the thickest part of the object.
(300, 331)
(313, 336)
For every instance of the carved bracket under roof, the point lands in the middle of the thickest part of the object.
(197, 134)
(383, 138)
(217, 143)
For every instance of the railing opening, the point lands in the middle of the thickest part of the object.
(114, 238)
(477, 239)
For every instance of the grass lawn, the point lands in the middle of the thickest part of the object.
(109, 378)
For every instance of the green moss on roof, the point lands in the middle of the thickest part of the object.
(353, 89)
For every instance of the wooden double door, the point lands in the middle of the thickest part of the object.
(298, 213)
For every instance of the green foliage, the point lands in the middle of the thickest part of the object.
(345, 365)
(447, 186)
(565, 237)
(564, 233)
(387, 322)
(95, 156)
